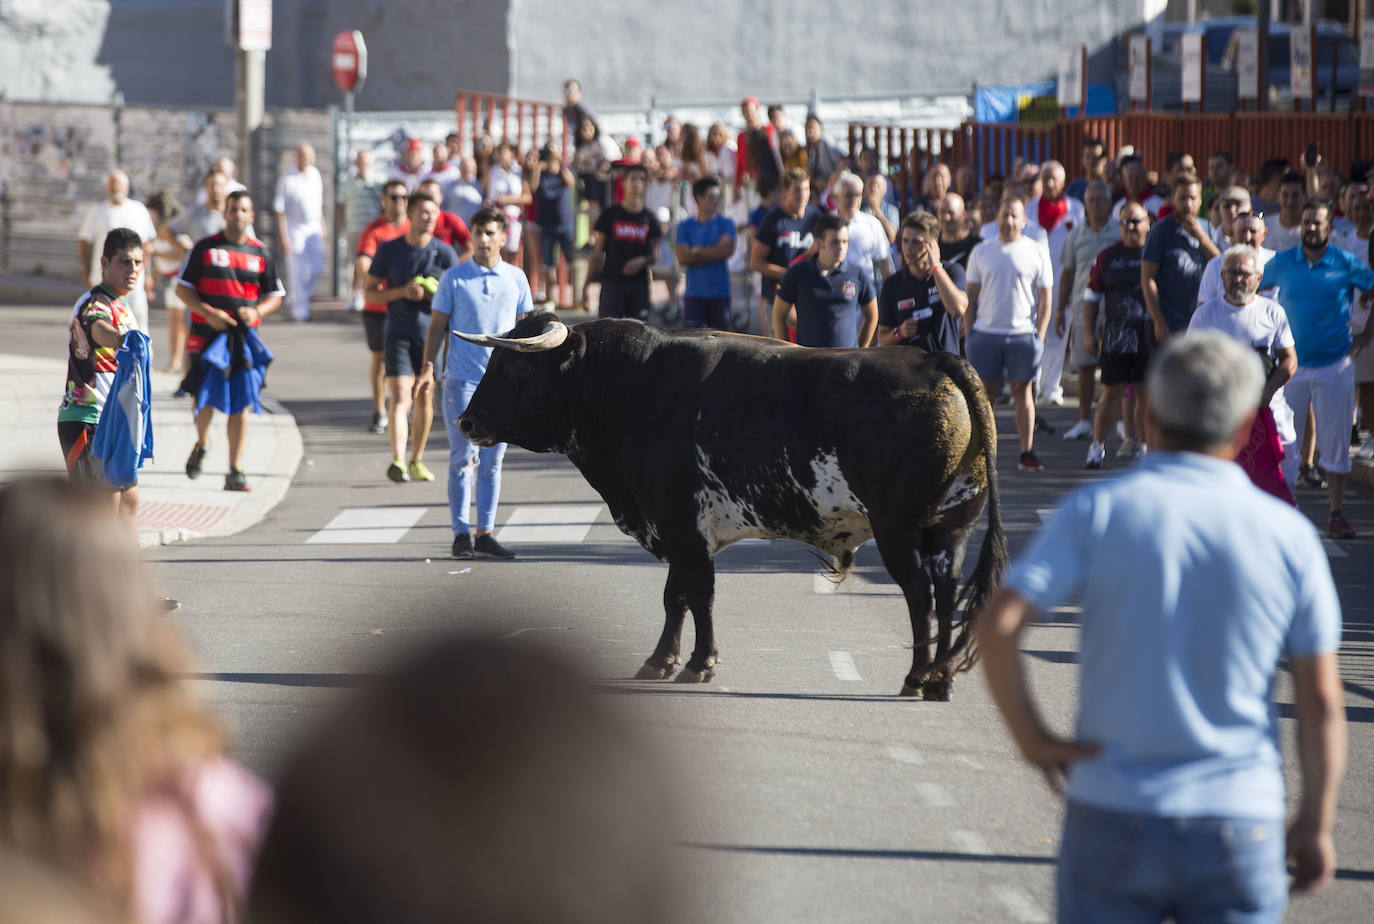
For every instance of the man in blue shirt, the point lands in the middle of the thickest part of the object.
(1314, 283)
(485, 295)
(1194, 584)
(835, 301)
(704, 245)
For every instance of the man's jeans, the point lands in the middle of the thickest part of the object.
(465, 460)
(1141, 868)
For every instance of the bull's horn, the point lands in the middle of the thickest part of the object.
(551, 337)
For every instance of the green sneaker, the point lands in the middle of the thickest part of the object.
(396, 471)
(419, 472)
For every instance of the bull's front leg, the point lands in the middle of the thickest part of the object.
(696, 574)
(662, 664)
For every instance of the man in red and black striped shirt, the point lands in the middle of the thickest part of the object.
(228, 281)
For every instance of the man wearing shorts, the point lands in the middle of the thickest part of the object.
(1315, 281)
(388, 226)
(1114, 289)
(99, 323)
(1009, 287)
(397, 278)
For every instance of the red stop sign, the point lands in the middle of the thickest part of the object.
(348, 60)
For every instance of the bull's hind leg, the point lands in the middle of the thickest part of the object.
(902, 558)
(945, 560)
(662, 664)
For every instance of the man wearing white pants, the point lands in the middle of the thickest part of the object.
(1058, 214)
(1315, 281)
(117, 211)
(299, 205)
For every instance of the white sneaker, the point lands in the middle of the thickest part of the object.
(1120, 430)
(1055, 400)
(1096, 454)
(1367, 450)
(355, 303)
(1079, 430)
(1128, 449)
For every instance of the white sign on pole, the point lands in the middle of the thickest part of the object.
(1138, 62)
(255, 25)
(1367, 59)
(1247, 63)
(1191, 47)
(1300, 54)
(1071, 77)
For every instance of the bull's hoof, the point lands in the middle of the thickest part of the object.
(651, 671)
(690, 676)
(909, 690)
(936, 691)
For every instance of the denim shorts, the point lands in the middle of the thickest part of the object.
(1135, 868)
(1004, 357)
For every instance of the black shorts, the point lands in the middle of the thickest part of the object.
(404, 356)
(1123, 368)
(76, 439)
(624, 300)
(374, 324)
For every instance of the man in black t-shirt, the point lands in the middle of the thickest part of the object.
(786, 234)
(625, 235)
(399, 277)
(957, 239)
(922, 303)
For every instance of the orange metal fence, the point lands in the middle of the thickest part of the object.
(1250, 137)
(524, 123)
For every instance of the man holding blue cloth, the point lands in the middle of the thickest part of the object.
(484, 295)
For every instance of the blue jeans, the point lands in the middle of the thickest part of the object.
(1141, 868)
(465, 459)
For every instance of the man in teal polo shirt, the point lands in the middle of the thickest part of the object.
(484, 295)
(1315, 282)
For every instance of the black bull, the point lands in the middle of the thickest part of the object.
(698, 440)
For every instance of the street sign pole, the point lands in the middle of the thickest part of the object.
(250, 32)
(348, 65)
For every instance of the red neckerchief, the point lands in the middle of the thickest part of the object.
(1051, 212)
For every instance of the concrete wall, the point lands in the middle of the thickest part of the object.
(722, 49)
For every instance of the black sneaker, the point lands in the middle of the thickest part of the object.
(236, 480)
(195, 462)
(487, 547)
(378, 424)
(462, 546)
(1030, 462)
(1309, 476)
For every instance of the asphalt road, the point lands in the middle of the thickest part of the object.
(808, 790)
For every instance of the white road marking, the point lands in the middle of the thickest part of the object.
(904, 755)
(533, 523)
(842, 663)
(971, 842)
(822, 584)
(934, 795)
(368, 525)
(1020, 905)
(1333, 550)
(1044, 513)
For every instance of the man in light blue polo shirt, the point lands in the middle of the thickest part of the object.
(1315, 281)
(485, 295)
(1194, 584)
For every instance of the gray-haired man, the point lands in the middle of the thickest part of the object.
(1174, 774)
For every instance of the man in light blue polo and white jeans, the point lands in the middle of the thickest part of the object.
(484, 295)
(1194, 584)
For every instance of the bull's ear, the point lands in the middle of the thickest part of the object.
(576, 345)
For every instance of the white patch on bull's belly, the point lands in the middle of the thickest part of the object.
(723, 520)
(840, 511)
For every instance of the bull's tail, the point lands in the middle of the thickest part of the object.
(992, 557)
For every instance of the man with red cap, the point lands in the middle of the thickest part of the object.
(410, 170)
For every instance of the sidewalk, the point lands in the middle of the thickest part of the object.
(172, 507)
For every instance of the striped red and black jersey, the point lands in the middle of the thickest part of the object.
(229, 277)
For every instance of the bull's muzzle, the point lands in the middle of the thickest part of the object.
(473, 433)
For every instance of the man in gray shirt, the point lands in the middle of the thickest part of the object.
(1080, 251)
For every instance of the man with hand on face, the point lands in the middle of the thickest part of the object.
(484, 295)
(834, 299)
(624, 241)
(1176, 251)
(96, 333)
(404, 276)
(922, 303)
(229, 284)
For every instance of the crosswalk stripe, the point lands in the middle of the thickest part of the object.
(368, 526)
(531, 523)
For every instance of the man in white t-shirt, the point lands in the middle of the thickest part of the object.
(1009, 284)
(1285, 228)
(868, 243)
(299, 205)
(1058, 214)
(117, 211)
(1262, 324)
(1247, 229)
